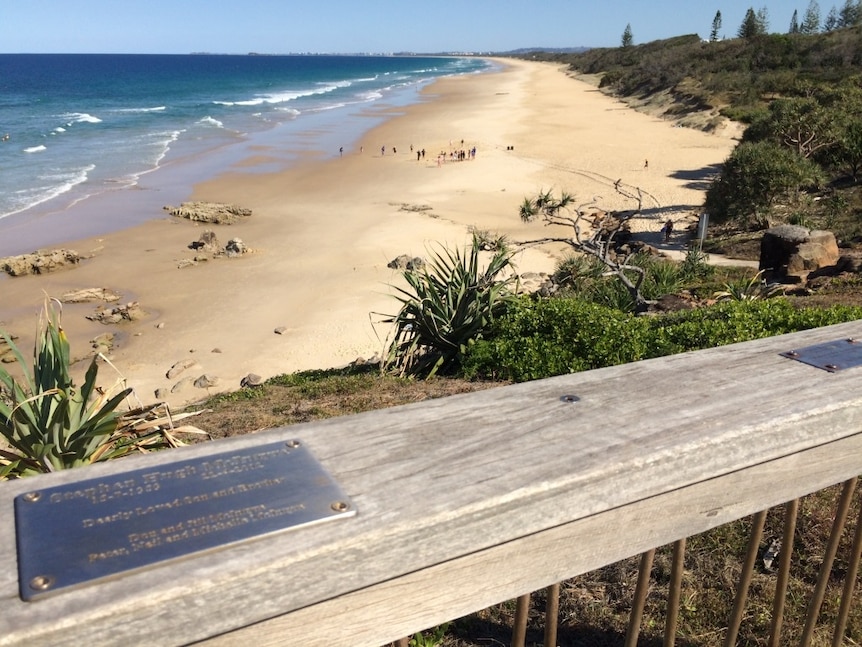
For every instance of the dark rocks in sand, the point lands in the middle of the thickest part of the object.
(235, 247)
(6, 354)
(132, 311)
(251, 380)
(206, 381)
(213, 212)
(39, 262)
(208, 242)
(405, 262)
(179, 367)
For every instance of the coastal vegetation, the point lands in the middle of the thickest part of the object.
(798, 94)
(50, 423)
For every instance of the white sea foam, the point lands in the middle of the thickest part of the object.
(54, 185)
(59, 129)
(80, 117)
(35, 149)
(209, 121)
(156, 109)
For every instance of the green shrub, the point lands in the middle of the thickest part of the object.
(538, 339)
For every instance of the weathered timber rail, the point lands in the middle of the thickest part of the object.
(467, 501)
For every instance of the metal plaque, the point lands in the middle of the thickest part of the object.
(831, 356)
(74, 534)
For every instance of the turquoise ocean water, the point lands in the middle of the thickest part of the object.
(85, 129)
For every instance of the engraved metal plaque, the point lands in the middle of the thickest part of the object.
(74, 534)
(832, 356)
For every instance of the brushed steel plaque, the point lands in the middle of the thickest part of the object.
(74, 534)
(832, 356)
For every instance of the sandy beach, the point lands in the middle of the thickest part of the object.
(324, 231)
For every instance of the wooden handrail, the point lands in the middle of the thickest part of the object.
(470, 500)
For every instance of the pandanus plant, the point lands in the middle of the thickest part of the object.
(450, 304)
(48, 422)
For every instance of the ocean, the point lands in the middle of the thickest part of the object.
(77, 128)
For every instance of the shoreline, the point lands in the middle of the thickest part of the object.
(325, 229)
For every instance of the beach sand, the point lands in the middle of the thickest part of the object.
(323, 231)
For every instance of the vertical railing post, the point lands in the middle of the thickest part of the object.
(828, 559)
(674, 591)
(745, 579)
(639, 602)
(522, 612)
(791, 511)
(849, 584)
(552, 612)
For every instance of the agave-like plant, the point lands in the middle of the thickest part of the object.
(450, 303)
(754, 289)
(49, 423)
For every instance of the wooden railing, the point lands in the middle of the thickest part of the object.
(467, 501)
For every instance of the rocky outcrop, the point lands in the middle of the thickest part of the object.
(40, 262)
(405, 262)
(789, 253)
(132, 311)
(208, 243)
(217, 213)
(88, 295)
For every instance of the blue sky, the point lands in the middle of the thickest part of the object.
(348, 26)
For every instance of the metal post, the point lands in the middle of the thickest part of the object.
(791, 510)
(674, 590)
(552, 612)
(745, 579)
(849, 584)
(828, 559)
(519, 631)
(639, 601)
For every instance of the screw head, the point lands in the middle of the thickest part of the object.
(41, 582)
(340, 506)
(569, 398)
(32, 497)
(292, 444)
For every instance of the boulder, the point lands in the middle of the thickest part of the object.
(235, 247)
(789, 253)
(405, 262)
(251, 380)
(208, 242)
(217, 213)
(132, 311)
(39, 262)
(206, 381)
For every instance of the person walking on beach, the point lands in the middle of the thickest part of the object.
(667, 230)
(646, 164)
(382, 151)
(341, 151)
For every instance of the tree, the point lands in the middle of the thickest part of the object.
(593, 234)
(763, 20)
(753, 178)
(832, 21)
(794, 23)
(751, 25)
(627, 39)
(849, 14)
(801, 124)
(811, 20)
(716, 27)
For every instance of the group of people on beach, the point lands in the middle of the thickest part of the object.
(454, 155)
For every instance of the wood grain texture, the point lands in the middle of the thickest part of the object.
(477, 498)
